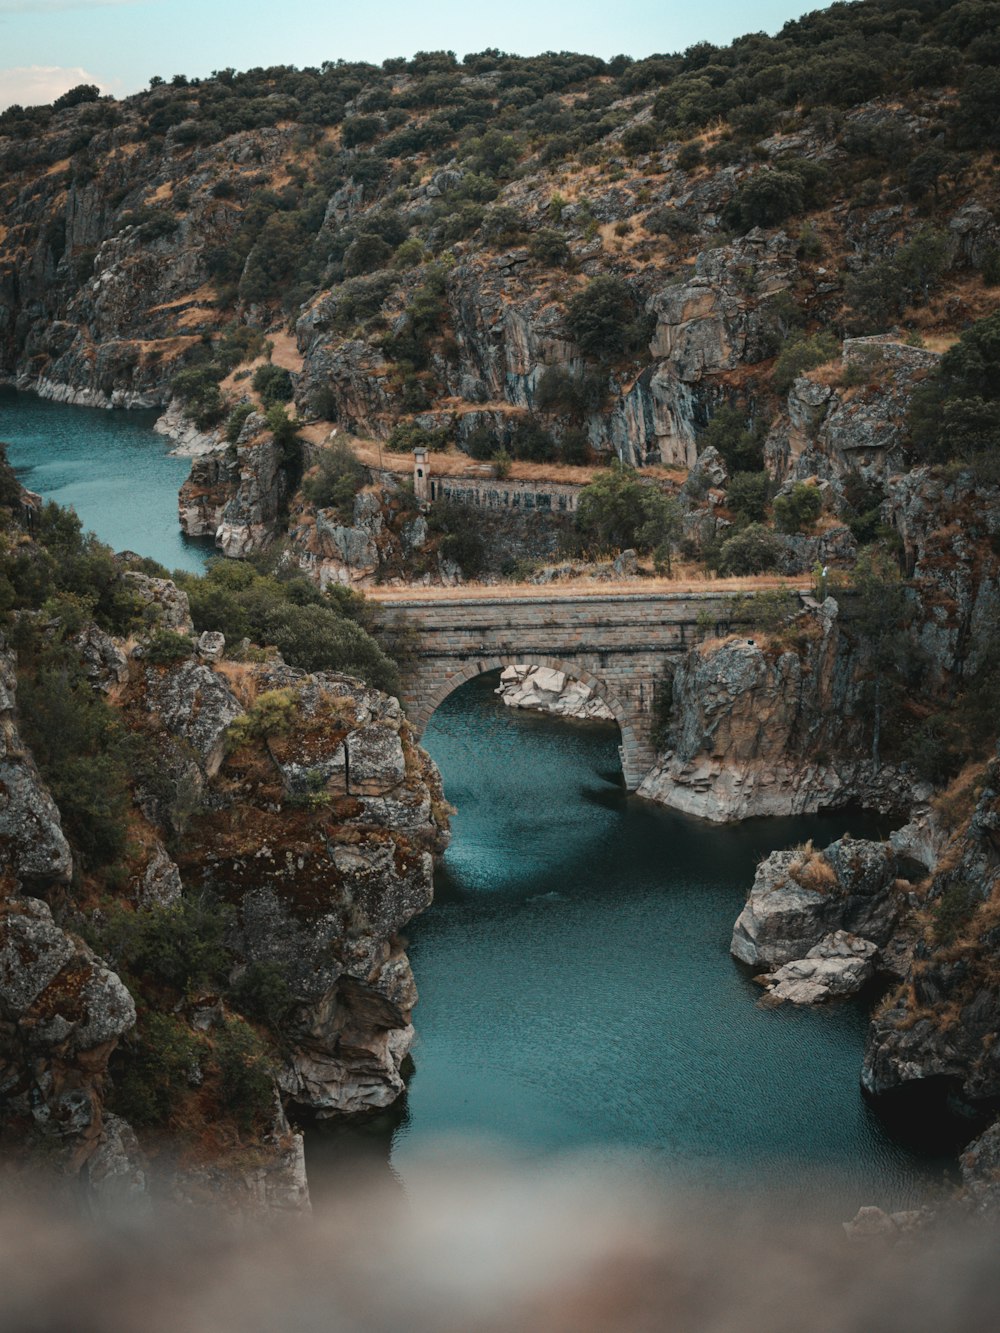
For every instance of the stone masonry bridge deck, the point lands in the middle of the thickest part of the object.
(618, 643)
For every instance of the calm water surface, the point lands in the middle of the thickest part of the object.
(111, 467)
(577, 993)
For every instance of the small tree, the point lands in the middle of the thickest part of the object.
(798, 510)
(605, 321)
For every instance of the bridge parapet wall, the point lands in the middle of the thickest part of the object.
(619, 645)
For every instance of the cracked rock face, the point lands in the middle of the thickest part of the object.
(839, 965)
(32, 844)
(767, 730)
(801, 897)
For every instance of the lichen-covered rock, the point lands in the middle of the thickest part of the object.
(33, 847)
(104, 663)
(168, 604)
(158, 884)
(197, 704)
(939, 1026)
(758, 728)
(838, 965)
(322, 837)
(801, 896)
(63, 1012)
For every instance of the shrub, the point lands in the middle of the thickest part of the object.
(549, 247)
(767, 198)
(406, 436)
(237, 420)
(617, 511)
(881, 292)
(181, 946)
(956, 413)
(271, 714)
(605, 321)
(246, 1079)
(747, 495)
(161, 1066)
(753, 550)
(261, 992)
(800, 353)
(953, 911)
(167, 647)
(337, 479)
(273, 384)
(559, 390)
(798, 510)
(462, 541)
(366, 254)
(739, 444)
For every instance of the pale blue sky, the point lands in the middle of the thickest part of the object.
(48, 45)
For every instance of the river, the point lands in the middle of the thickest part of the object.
(577, 994)
(110, 466)
(576, 989)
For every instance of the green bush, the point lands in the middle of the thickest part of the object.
(237, 420)
(740, 444)
(153, 1073)
(559, 390)
(261, 992)
(800, 353)
(953, 911)
(181, 946)
(880, 293)
(617, 511)
(747, 495)
(549, 247)
(956, 413)
(246, 1077)
(273, 384)
(753, 550)
(605, 321)
(337, 478)
(406, 436)
(798, 509)
(167, 646)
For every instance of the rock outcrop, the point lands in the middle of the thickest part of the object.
(761, 728)
(938, 1028)
(549, 691)
(801, 898)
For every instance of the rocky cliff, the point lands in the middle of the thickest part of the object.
(241, 955)
(772, 725)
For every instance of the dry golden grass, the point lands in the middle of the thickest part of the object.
(242, 679)
(812, 870)
(586, 588)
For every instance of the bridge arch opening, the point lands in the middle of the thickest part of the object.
(630, 749)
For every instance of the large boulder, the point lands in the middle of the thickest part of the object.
(801, 896)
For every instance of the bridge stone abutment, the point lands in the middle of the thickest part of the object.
(620, 644)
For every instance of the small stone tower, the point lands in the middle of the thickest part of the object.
(421, 476)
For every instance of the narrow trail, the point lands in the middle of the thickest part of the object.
(576, 588)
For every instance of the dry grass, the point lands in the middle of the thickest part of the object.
(242, 680)
(549, 592)
(812, 870)
(455, 463)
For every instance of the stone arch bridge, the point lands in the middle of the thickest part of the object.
(618, 643)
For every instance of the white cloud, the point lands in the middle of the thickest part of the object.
(33, 85)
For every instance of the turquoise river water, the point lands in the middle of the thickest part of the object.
(111, 467)
(576, 989)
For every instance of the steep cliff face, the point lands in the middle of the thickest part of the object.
(771, 726)
(938, 1028)
(62, 1010)
(234, 493)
